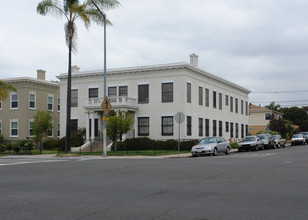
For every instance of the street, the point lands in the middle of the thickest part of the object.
(269, 184)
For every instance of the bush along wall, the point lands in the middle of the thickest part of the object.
(144, 143)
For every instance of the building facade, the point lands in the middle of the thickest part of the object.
(18, 110)
(259, 118)
(154, 94)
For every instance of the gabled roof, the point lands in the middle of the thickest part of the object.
(259, 109)
(151, 68)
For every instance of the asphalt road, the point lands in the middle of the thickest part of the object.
(270, 184)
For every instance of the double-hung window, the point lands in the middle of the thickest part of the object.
(207, 97)
(167, 125)
(14, 101)
(214, 128)
(112, 91)
(167, 92)
(74, 98)
(143, 126)
(31, 134)
(188, 125)
(220, 101)
(200, 95)
(214, 99)
(93, 93)
(123, 91)
(143, 94)
(32, 100)
(14, 128)
(188, 92)
(50, 103)
(207, 127)
(200, 127)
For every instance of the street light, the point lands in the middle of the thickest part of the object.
(104, 122)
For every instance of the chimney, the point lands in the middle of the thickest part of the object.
(75, 69)
(41, 74)
(194, 60)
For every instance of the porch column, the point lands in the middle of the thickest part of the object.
(92, 126)
(88, 126)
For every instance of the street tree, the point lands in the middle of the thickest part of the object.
(273, 106)
(41, 125)
(118, 125)
(73, 10)
(298, 116)
(5, 88)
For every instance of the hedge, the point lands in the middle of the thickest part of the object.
(144, 143)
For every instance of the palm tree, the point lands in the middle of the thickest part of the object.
(4, 89)
(73, 10)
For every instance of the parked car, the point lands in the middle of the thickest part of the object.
(268, 140)
(211, 146)
(279, 141)
(305, 133)
(250, 143)
(297, 139)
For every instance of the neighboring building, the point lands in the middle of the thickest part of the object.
(154, 94)
(259, 118)
(18, 110)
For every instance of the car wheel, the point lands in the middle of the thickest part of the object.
(215, 152)
(239, 150)
(278, 145)
(227, 151)
(194, 155)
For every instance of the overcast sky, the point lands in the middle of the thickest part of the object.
(261, 45)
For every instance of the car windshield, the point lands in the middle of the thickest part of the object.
(304, 133)
(276, 137)
(298, 135)
(263, 137)
(248, 139)
(208, 140)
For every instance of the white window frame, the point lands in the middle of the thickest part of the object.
(31, 121)
(58, 104)
(52, 103)
(51, 130)
(32, 93)
(11, 94)
(14, 121)
(58, 130)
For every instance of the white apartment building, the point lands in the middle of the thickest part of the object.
(154, 94)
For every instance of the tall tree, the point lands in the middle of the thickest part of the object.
(273, 106)
(5, 88)
(73, 10)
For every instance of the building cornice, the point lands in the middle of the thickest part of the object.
(32, 80)
(151, 68)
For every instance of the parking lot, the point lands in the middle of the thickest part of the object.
(269, 184)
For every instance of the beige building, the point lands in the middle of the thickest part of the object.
(259, 118)
(18, 110)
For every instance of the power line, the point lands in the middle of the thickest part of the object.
(291, 91)
(283, 101)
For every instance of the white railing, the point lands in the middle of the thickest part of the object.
(115, 101)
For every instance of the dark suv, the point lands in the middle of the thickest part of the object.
(268, 140)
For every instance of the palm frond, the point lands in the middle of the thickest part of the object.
(105, 4)
(5, 88)
(71, 35)
(50, 6)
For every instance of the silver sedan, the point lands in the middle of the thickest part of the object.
(250, 143)
(211, 146)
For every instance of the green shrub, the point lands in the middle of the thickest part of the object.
(187, 145)
(16, 149)
(50, 144)
(142, 143)
(2, 148)
(25, 145)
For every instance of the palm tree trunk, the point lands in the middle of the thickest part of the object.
(68, 99)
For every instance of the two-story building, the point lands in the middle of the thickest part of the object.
(212, 105)
(18, 110)
(259, 118)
